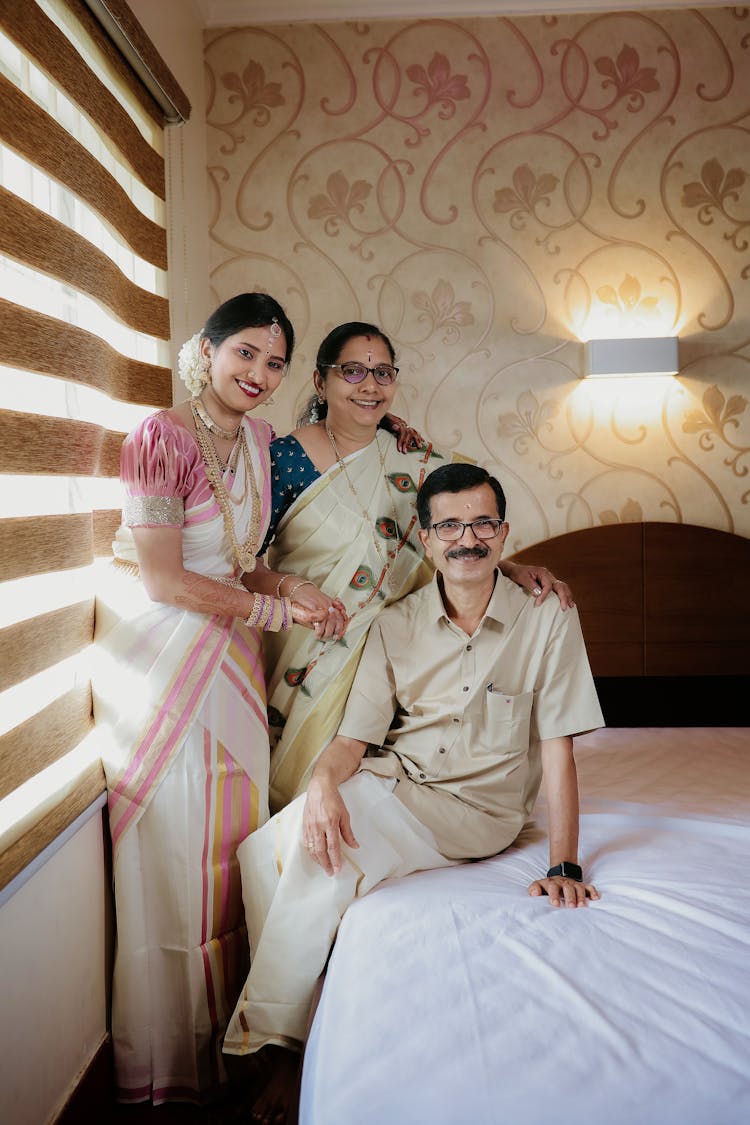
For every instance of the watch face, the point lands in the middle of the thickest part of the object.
(567, 870)
(571, 871)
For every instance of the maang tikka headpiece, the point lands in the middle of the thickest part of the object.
(274, 330)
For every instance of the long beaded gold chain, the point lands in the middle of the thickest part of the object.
(391, 555)
(245, 552)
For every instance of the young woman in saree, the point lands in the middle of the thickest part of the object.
(179, 691)
(344, 516)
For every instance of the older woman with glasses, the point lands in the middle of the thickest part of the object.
(344, 517)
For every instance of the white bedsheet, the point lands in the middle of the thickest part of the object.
(453, 997)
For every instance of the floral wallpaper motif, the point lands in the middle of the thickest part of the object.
(494, 192)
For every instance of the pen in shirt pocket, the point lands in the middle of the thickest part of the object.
(497, 691)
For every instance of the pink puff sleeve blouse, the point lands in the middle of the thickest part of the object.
(157, 467)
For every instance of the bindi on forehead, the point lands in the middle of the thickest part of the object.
(369, 348)
(475, 502)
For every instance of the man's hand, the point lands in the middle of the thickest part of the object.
(325, 823)
(564, 892)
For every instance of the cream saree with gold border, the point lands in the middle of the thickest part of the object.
(341, 542)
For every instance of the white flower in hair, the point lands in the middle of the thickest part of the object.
(191, 365)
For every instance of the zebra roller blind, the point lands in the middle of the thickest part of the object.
(84, 326)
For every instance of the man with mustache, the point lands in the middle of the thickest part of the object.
(467, 693)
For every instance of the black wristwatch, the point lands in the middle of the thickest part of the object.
(567, 870)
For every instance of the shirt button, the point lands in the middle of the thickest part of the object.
(456, 720)
(441, 750)
(466, 688)
(468, 648)
(423, 776)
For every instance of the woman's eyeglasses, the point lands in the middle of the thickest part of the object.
(384, 373)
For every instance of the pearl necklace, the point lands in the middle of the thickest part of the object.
(198, 408)
(244, 553)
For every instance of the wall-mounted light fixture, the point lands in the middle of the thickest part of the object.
(646, 356)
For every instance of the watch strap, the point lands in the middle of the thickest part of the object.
(566, 870)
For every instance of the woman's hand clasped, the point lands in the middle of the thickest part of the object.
(327, 617)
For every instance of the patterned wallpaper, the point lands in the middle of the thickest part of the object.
(493, 192)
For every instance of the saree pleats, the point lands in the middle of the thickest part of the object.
(182, 944)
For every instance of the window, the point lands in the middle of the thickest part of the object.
(84, 325)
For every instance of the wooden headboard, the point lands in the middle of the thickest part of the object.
(661, 602)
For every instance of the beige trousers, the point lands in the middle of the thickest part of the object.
(293, 908)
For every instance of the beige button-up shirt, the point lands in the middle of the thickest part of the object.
(457, 720)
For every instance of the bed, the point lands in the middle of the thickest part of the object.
(452, 996)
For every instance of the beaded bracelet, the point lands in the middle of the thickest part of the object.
(278, 584)
(300, 584)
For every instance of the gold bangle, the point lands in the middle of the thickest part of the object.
(294, 589)
(276, 615)
(268, 610)
(287, 620)
(283, 578)
(256, 612)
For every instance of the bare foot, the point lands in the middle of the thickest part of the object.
(279, 1094)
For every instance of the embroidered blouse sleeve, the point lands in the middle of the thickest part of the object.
(156, 470)
(292, 472)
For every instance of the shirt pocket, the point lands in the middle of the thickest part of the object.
(508, 720)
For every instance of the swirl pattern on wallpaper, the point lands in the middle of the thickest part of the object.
(494, 192)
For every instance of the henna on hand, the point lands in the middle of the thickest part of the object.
(212, 597)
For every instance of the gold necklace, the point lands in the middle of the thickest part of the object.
(199, 409)
(245, 552)
(401, 539)
(231, 465)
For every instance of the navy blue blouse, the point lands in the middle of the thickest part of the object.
(292, 472)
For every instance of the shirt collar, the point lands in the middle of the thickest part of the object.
(504, 606)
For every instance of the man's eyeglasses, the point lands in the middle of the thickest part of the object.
(384, 373)
(451, 530)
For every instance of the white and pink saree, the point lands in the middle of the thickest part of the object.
(181, 698)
